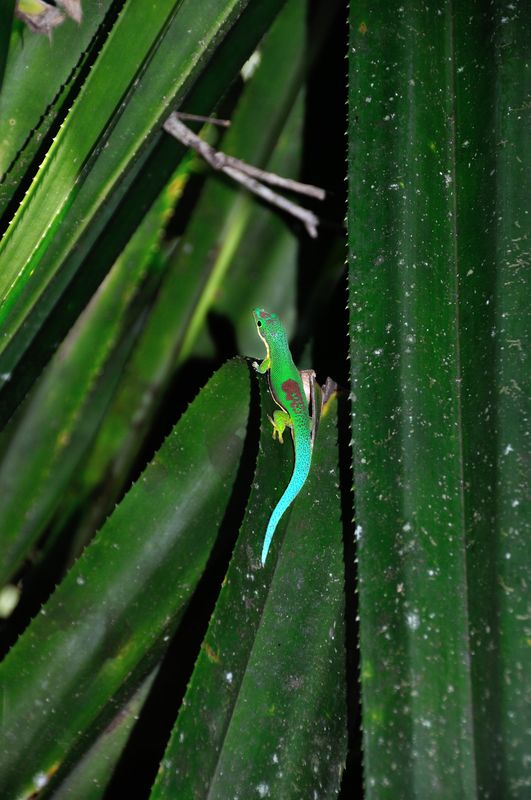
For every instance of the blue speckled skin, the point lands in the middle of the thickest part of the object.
(288, 392)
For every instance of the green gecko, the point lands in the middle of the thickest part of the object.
(290, 389)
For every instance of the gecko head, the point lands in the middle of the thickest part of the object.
(266, 322)
(269, 327)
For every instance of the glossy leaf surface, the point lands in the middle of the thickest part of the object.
(102, 628)
(200, 269)
(68, 405)
(92, 774)
(109, 133)
(429, 98)
(39, 73)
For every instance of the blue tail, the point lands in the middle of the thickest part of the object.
(300, 473)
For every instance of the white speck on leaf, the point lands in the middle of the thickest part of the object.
(40, 780)
(412, 620)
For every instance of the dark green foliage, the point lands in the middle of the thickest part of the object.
(436, 284)
(146, 652)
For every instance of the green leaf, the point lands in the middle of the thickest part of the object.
(202, 265)
(429, 249)
(113, 126)
(498, 455)
(67, 407)
(92, 774)
(268, 689)
(39, 74)
(102, 630)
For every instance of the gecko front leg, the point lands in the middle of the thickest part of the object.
(263, 366)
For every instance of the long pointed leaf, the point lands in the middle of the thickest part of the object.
(429, 240)
(38, 71)
(201, 265)
(112, 128)
(103, 627)
(70, 401)
(268, 689)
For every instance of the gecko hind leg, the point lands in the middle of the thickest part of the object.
(280, 421)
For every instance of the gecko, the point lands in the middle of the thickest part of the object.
(292, 391)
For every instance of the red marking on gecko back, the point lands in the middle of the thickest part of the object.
(293, 395)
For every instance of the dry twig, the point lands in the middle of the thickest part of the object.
(251, 177)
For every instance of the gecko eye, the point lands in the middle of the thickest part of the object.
(259, 323)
